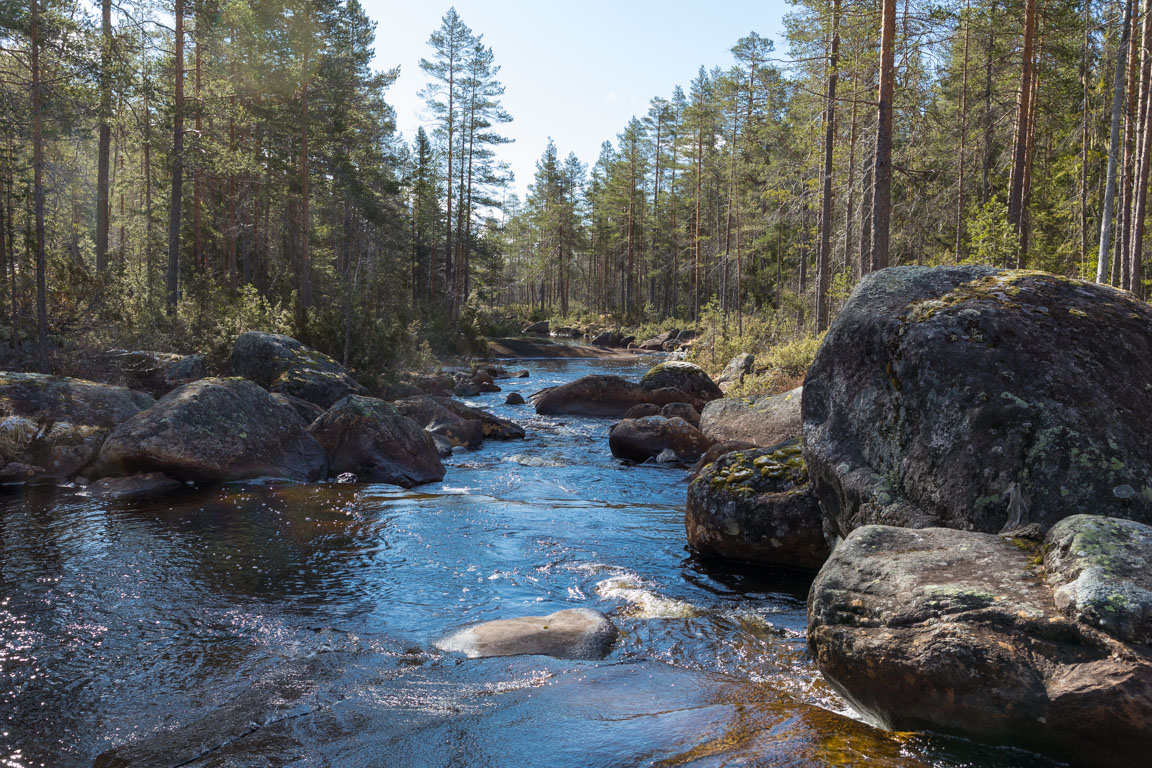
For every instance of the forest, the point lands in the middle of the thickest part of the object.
(174, 173)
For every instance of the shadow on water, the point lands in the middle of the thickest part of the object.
(294, 624)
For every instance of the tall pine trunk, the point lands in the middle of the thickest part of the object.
(1135, 282)
(1023, 110)
(882, 184)
(38, 196)
(957, 252)
(177, 165)
(103, 206)
(824, 260)
(1113, 148)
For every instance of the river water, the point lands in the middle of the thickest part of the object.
(273, 625)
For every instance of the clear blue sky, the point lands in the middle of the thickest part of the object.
(575, 71)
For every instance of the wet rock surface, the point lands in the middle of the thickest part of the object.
(757, 506)
(574, 633)
(646, 438)
(372, 440)
(956, 631)
(981, 399)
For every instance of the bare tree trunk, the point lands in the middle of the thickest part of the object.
(696, 237)
(882, 191)
(989, 125)
(103, 207)
(1023, 109)
(1135, 282)
(1113, 148)
(198, 175)
(824, 260)
(1085, 75)
(957, 254)
(38, 197)
(850, 187)
(177, 166)
(866, 216)
(1120, 266)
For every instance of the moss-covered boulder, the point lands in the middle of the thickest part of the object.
(981, 399)
(646, 438)
(757, 506)
(762, 420)
(215, 430)
(370, 439)
(53, 426)
(282, 364)
(689, 378)
(957, 632)
(1100, 569)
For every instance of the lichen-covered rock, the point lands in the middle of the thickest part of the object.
(48, 399)
(1100, 570)
(689, 378)
(495, 428)
(955, 631)
(282, 364)
(215, 430)
(575, 633)
(714, 452)
(981, 399)
(156, 373)
(56, 424)
(763, 420)
(646, 438)
(757, 506)
(435, 418)
(595, 395)
(372, 440)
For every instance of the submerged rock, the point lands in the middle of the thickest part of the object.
(215, 430)
(646, 438)
(575, 633)
(282, 364)
(763, 420)
(981, 399)
(757, 506)
(134, 487)
(372, 440)
(955, 631)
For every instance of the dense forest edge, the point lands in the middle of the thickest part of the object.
(173, 174)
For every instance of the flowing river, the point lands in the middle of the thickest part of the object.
(271, 625)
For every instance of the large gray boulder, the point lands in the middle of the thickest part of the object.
(763, 420)
(689, 378)
(646, 438)
(981, 399)
(733, 374)
(575, 633)
(282, 364)
(494, 427)
(757, 506)
(437, 419)
(958, 632)
(371, 439)
(156, 373)
(52, 427)
(215, 430)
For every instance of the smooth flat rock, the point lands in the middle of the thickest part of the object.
(574, 633)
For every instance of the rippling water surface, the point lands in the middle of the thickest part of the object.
(294, 625)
